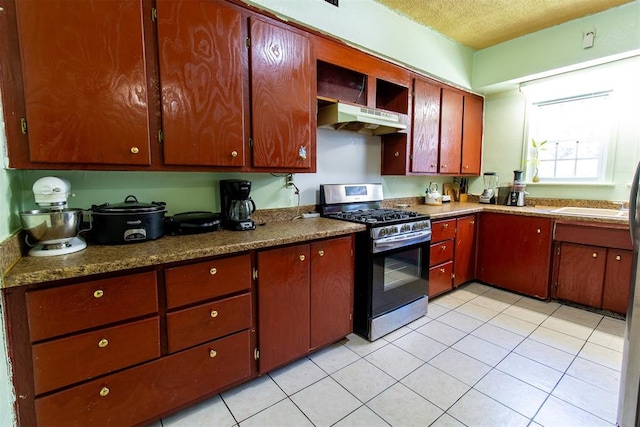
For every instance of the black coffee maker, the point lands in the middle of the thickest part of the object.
(236, 206)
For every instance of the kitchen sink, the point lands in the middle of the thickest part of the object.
(606, 213)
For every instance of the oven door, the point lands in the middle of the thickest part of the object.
(400, 275)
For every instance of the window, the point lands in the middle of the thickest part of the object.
(577, 133)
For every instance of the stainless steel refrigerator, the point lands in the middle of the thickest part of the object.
(628, 415)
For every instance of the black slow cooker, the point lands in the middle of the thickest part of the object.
(128, 222)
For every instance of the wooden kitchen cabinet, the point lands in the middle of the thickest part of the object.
(426, 126)
(581, 273)
(304, 299)
(615, 294)
(451, 132)
(514, 252)
(592, 265)
(203, 74)
(465, 250)
(472, 128)
(88, 96)
(452, 254)
(283, 104)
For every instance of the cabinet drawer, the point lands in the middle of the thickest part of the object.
(135, 395)
(71, 308)
(440, 279)
(206, 280)
(443, 230)
(77, 358)
(441, 252)
(205, 322)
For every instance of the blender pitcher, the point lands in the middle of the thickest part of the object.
(490, 184)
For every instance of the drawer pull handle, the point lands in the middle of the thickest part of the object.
(595, 255)
(213, 271)
(213, 353)
(234, 154)
(396, 154)
(443, 247)
(104, 391)
(446, 225)
(618, 258)
(473, 222)
(214, 313)
(135, 150)
(321, 253)
(103, 343)
(302, 257)
(442, 270)
(98, 294)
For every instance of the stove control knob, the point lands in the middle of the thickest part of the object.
(405, 227)
(417, 226)
(392, 230)
(382, 232)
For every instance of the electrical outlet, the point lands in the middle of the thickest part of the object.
(289, 181)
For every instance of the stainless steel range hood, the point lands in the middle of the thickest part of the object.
(356, 118)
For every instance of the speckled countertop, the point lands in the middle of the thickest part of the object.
(98, 259)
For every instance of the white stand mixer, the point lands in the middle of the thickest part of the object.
(55, 227)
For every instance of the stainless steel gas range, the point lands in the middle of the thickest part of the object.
(391, 259)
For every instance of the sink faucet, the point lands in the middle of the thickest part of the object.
(623, 206)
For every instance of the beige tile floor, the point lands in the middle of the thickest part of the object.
(481, 357)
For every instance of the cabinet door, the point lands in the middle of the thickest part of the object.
(331, 290)
(283, 98)
(581, 274)
(472, 135)
(85, 81)
(283, 305)
(426, 127)
(450, 132)
(617, 279)
(202, 68)
(514, 252)
(465, 252)
(440, 279)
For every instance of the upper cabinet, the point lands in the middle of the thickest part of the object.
(202, 56)
(283, 97)
(85, 81)
(445, 137)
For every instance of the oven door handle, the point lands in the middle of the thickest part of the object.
(402, 240)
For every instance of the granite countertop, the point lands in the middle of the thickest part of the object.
(96, 259)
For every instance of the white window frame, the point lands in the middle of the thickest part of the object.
(606, 156)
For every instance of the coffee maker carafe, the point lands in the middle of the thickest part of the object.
(236, 206)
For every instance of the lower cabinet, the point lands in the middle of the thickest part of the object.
(136, 395)
(593, 265)
(514, 252)
(452, 254)
(305, 299)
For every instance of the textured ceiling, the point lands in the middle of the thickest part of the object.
(483, 23)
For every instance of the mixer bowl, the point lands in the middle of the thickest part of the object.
(52, 226)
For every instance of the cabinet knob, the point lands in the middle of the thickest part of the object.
(214, 313)
(321, 253)
(618, 257)
(538, 231)
(443, 247)
(213, 353)
(98, 294)
(135, 150)
(472, 222)
(445, 225)
(103, 343)
(442, 270)
(104, 391)
(396, 154)
(234, 153)
(465, 167)
(433, 166)
(302, 257)
(595, 255)
(443, 166)
(213, 271)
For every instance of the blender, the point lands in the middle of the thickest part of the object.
(490, 184)
(54, 229)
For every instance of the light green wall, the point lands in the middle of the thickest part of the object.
(560, 47)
